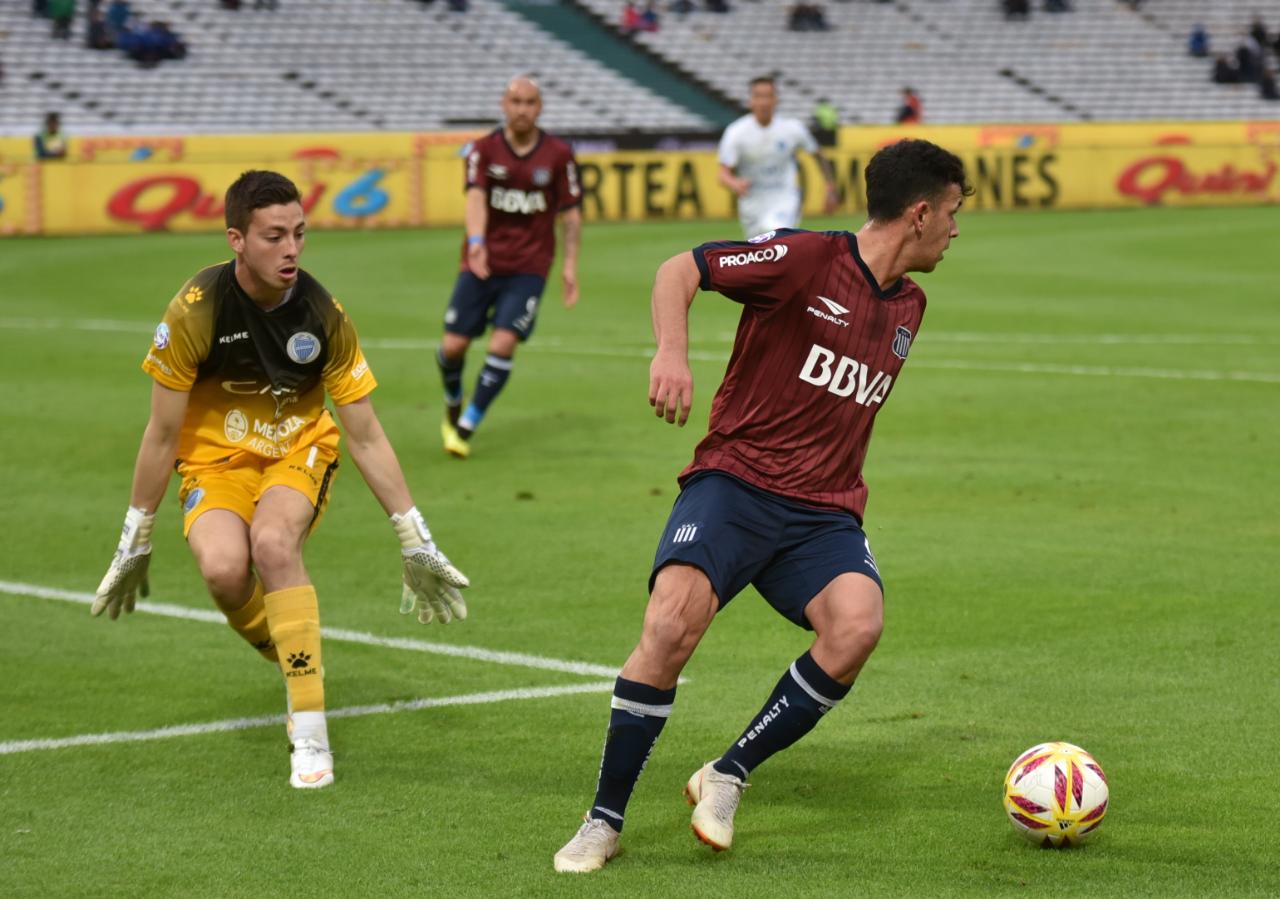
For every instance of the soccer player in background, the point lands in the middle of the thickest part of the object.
(774, 496)
(241, 364)
(520, 180)
(758, 163)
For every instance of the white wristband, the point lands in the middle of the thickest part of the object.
(411, 528)
(136, 533)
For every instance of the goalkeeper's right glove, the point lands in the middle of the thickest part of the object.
(128, 572)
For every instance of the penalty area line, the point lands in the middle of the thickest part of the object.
(342, 635)
(13, 747)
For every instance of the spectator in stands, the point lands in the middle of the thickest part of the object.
(630, 23)
(98, 37)
(62, 12)
(153, 46)
(118, 14)
(50, 143)
(649, 18)
(911, 111)
(807, 17)
(681, 7)
(1267, 84)
(1016, 9)
(229, 4)
(40, 8)
(266, 4)
(1225, 71)
(1198, 41)
(1248, 60)
(458, 5)
(719, 6)
(1057, 6)
(1258, 31)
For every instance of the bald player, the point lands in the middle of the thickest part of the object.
(519, 180)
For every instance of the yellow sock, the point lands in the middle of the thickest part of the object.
(250, 622)
(294, 618)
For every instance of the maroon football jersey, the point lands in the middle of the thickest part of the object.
(818, 348)
(525, 193)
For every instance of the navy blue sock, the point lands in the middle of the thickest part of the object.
(451, 375)
(493, 377)
(639, 712)
(804, 695)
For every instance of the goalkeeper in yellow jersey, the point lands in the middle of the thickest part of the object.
(241, 364)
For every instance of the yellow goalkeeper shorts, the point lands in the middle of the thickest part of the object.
(237, 483)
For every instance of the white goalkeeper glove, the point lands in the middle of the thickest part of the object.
(128, 572)
(430, 581)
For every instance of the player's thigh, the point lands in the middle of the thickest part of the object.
(309, 473)
(780, 211)
(721, 527)
(819, 548)
(219, 540)
(515, 308)
(467, 314)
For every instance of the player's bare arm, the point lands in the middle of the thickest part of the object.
(571, 222)
(476, 217)
(430, 581)
(127, 574)
(831, 200)
(739, 186)
(670, 379)
(371, 451)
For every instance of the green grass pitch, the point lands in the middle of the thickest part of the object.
(1073, 501)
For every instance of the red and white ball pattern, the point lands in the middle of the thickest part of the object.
(1055, 794)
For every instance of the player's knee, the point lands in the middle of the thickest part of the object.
(228, 578)
(274, 549)
(856, 636)
(454, 346)
(503, 343)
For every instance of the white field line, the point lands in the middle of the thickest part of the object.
(519, 659)
(554, 347)
(356, 711)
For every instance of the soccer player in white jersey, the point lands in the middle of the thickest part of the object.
(758, 163)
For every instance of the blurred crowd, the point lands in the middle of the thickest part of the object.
(1253, 61)
(115, 28)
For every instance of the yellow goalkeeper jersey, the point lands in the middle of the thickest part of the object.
(257, 379)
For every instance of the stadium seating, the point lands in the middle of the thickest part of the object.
(1103, 61)
(345, 65)
(356, 65)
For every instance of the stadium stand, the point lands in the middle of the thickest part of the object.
(348, 65)
(1102, 61)
(356, 65)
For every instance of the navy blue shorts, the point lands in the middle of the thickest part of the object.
(504, 301)
(738, 535)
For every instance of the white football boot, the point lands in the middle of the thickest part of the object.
(311, 764)
(715, 798)
(593, 845)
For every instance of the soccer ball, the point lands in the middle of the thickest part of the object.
(1055, 794)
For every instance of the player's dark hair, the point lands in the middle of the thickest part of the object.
(763, 79)
(909, 171)
(257, 190)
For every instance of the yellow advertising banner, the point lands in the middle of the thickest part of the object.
(123, 184)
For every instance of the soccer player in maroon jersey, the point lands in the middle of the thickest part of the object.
(774, 496)
(520, 180)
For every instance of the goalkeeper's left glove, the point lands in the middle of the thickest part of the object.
(128, 572)
(430, 581)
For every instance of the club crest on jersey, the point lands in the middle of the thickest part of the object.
(303, 347)
(901, 342)
(497, 171)
(193, 499)
(542, 177)
(161, 340)
(761, 238)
